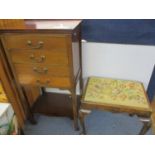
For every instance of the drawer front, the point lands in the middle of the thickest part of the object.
(41, 70)
(59, 57)
(40, 75)
(34, 41)
(45, 81)
(40, 59)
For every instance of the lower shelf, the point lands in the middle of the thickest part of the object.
(54, 104)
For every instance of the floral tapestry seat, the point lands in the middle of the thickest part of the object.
(116, 92)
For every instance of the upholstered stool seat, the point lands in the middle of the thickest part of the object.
(116, 96)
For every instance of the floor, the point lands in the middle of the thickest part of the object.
(97, 123)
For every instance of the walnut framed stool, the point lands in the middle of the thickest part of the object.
(121, 96)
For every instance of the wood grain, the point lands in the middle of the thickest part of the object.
(11, 90)
(12, 23)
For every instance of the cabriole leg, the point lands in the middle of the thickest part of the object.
(82, 114)
(146, 127)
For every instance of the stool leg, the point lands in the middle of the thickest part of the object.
(82, 114)
(153, 122)
(81, 117)
(145, 128)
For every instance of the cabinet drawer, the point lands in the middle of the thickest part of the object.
(42, 57)
(45, 81)
(56, 76)
(41, 70)
(34, 41)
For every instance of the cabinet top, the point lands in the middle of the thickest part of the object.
(53, 24)
(39, 24)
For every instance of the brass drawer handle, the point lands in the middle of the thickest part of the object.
(38, 46)
(39, 82)
(40, 71)
(38, 60)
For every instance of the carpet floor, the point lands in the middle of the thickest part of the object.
(97, 123)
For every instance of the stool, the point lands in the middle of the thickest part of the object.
(115, 96)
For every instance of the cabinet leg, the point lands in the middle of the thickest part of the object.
(75, 110)
(145, 128)
(43, 90)
(81, 84)
(31, 118)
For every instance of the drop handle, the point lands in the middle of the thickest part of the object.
(37, 46)
(39, 59)
(38, 81)
(40, 71)
(46, 83)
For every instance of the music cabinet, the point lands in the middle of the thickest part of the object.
(45, 53)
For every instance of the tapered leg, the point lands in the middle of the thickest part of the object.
(75, 110)
(81, 84)
(43, 90)
(145, 128)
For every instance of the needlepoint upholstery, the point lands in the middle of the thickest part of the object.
(115, 92)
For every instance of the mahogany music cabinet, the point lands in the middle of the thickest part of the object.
(45, 53)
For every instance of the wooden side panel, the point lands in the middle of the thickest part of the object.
(3, 97)
(11, 90)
